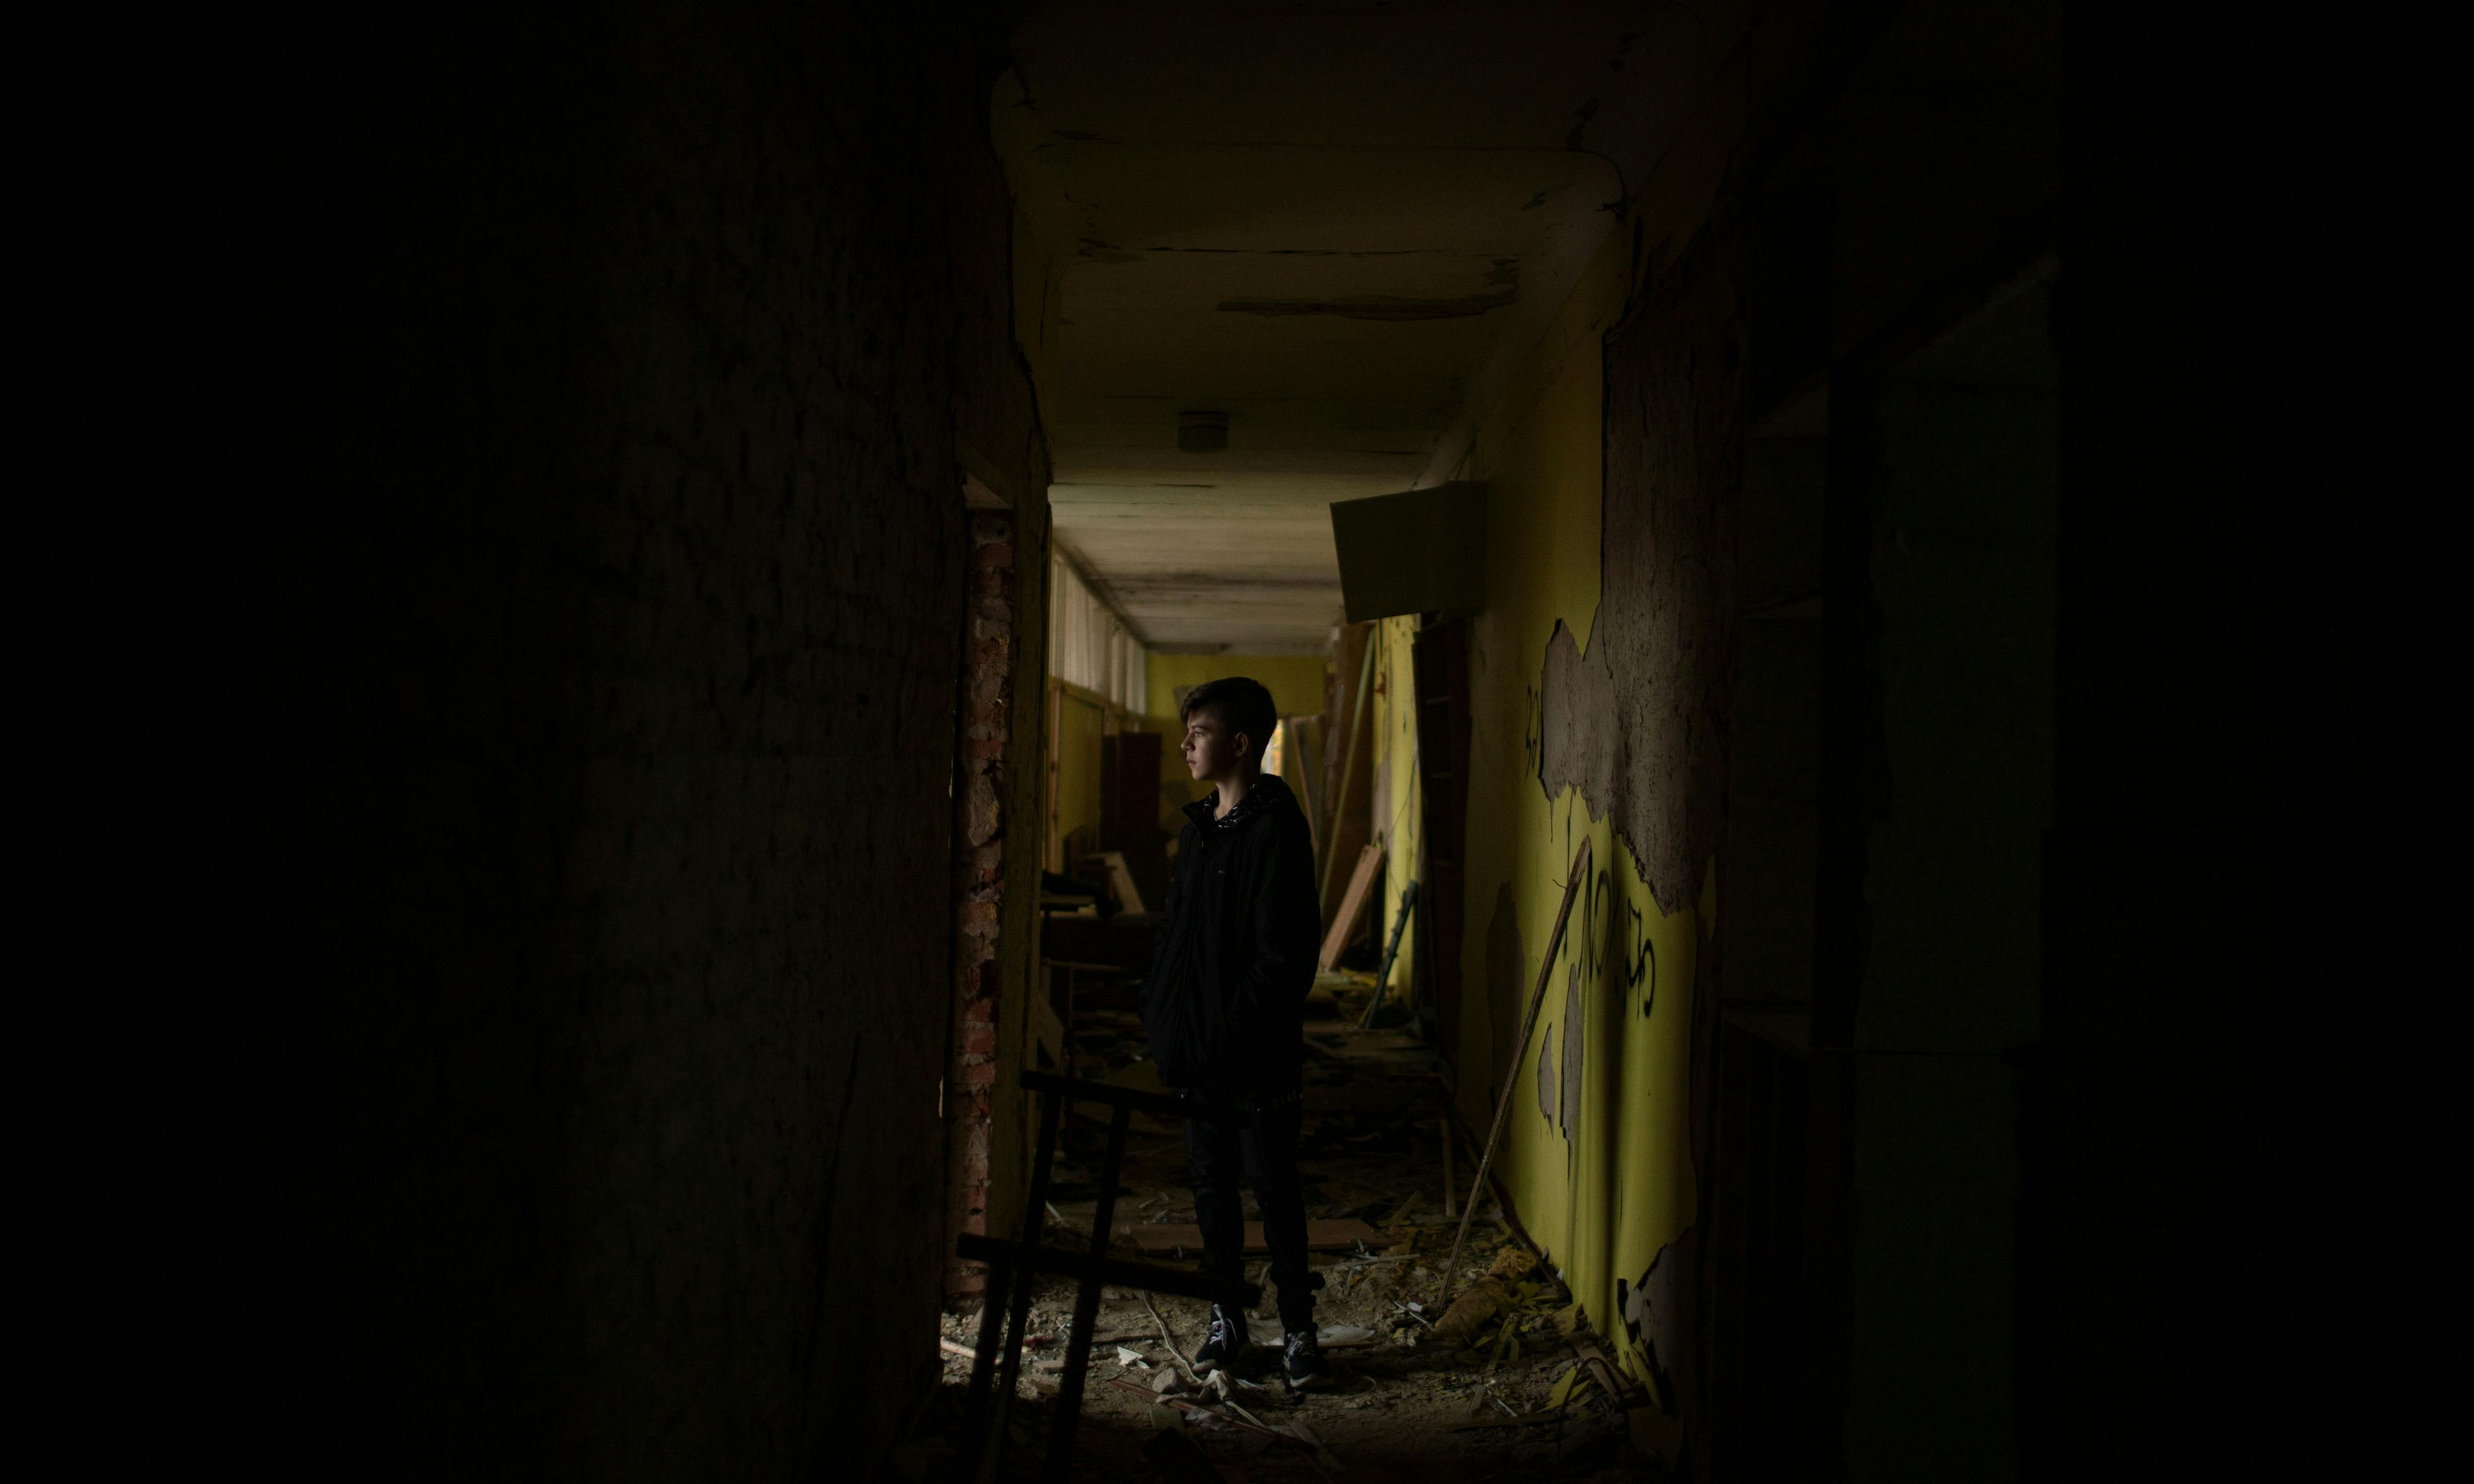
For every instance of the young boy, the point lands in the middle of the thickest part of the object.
(1223, 1009)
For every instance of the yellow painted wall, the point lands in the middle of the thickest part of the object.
(1605, 1187)
(1079, 725)
(1399, 825)
(1296, 682)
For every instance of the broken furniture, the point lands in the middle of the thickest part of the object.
(1073, 967)
(996, 1363)
(1060, 893)
(1118, 876)
(1122, 942)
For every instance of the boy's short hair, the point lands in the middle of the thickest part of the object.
(1244, 706)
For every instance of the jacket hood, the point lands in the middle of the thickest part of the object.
(1270, 795)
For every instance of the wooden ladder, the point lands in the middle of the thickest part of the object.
(996, 1364)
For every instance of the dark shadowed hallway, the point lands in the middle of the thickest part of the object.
(756, 480)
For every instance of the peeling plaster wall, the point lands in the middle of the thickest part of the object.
(1603, 707)
(1639, 722)
(1673, 403)
(1594, 1154)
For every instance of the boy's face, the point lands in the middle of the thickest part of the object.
(1212, 752)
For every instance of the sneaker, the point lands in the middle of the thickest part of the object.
(1302, 1364)
(1222, 1346)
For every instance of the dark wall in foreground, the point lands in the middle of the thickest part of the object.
(2043, 438)
(2202, 1110)
(612, 594)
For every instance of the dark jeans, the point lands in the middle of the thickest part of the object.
(1256, 1132)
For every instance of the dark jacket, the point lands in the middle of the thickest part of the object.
(1224, 1004)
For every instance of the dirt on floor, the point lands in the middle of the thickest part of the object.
(1507, 1383)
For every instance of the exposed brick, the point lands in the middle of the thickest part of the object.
(981, 805)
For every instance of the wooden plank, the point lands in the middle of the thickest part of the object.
(1349, 804)
(1047, 1030)
(1148, 1100)
(1301, 775)
(1582, 865)
(1089, 697)
(1168, 1238)
(1352, 905)
(1120, 879)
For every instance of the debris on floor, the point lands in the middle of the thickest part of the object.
(1507, 1382)
(1185, 1239)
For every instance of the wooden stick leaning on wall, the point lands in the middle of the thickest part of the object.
(1582, 865)
(1307, 788)
(1348, 768)
(1352, 906)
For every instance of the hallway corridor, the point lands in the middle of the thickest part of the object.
(1764, 523)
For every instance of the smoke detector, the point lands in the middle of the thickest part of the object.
(1202, 431)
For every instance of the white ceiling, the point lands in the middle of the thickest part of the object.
(1338, 224)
